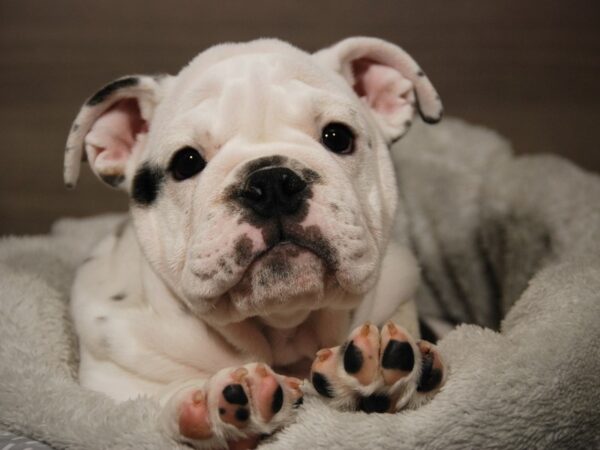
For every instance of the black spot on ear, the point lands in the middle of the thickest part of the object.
(420, 73)
(374, 403)
(118, 297)
(113, 180)
(75, 127)
(146, 184)
(430, 377)
(398, 355)
(234, 393)
(111, 88)
(242, 414)
(277, 400)
(353, 358)
(321, 385)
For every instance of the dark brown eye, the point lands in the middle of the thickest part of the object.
(338, 138)
(186, 163)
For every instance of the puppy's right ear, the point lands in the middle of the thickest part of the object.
(111, 128)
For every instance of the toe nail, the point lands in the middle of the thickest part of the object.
(366, 328)
(239, 374)
(391, 327)
(293, 383)
(323, 354)
(198, 397)
(262, 370)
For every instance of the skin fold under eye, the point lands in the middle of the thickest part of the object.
(186, 163)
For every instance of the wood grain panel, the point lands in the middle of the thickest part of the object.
(528, 69)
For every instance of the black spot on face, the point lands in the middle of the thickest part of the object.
(298, 402)
(234, 393)
(243, 250)
(407, 123)
(222, 411)
(111, 88)
(374, 403)
(146, 184)
(353, 358)
(118, 296)
(398, 355)
(242, 414)
(277, 400)
(430, 377)
(113, 180)
(322, 385)
(312, 238)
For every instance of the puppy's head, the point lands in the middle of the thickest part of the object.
(259, 176)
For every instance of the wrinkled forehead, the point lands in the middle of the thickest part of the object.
(247, 92)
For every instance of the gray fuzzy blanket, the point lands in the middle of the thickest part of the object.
(508, 244)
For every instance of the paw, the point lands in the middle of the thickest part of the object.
(234, 408)
(378, 371)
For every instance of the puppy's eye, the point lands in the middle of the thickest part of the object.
(186, 163)
(338, 138)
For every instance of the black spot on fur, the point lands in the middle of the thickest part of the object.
(407, 123)
(277, 400)
(353, 358)
(322, 385)
(374, 403)
(430, 376)
(420, 73)
(234, 393)
(113, 180)
(118, 296)
(111, 88)
(146, 184)
(101, 318)
(242, 414)
(398, 355)
(298, 403)
(87, 260)
(243, 250)
(75, 127)
(222, 411)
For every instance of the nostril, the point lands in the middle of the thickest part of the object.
(292, 184)
(253, 193)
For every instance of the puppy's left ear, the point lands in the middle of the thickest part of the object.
(387, 79)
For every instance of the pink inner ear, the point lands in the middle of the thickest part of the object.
(385, 89)
(112, 138)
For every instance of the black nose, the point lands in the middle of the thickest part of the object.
(272, 191)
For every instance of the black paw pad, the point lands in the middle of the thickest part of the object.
(374, 403)
(398, 355)
(277, 400)
(242, 414)
(353, 359)
(322, 385)
(234, 393)
(430, 376)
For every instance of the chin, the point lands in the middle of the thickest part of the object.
(286, 278)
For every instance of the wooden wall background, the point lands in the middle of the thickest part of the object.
(529, 69)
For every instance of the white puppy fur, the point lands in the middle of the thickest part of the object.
(193, 284)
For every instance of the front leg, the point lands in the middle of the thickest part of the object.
(378, 371)
(232, 409)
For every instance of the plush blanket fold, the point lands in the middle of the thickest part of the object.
(508, 244)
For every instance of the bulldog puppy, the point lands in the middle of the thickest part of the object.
(262, 202)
